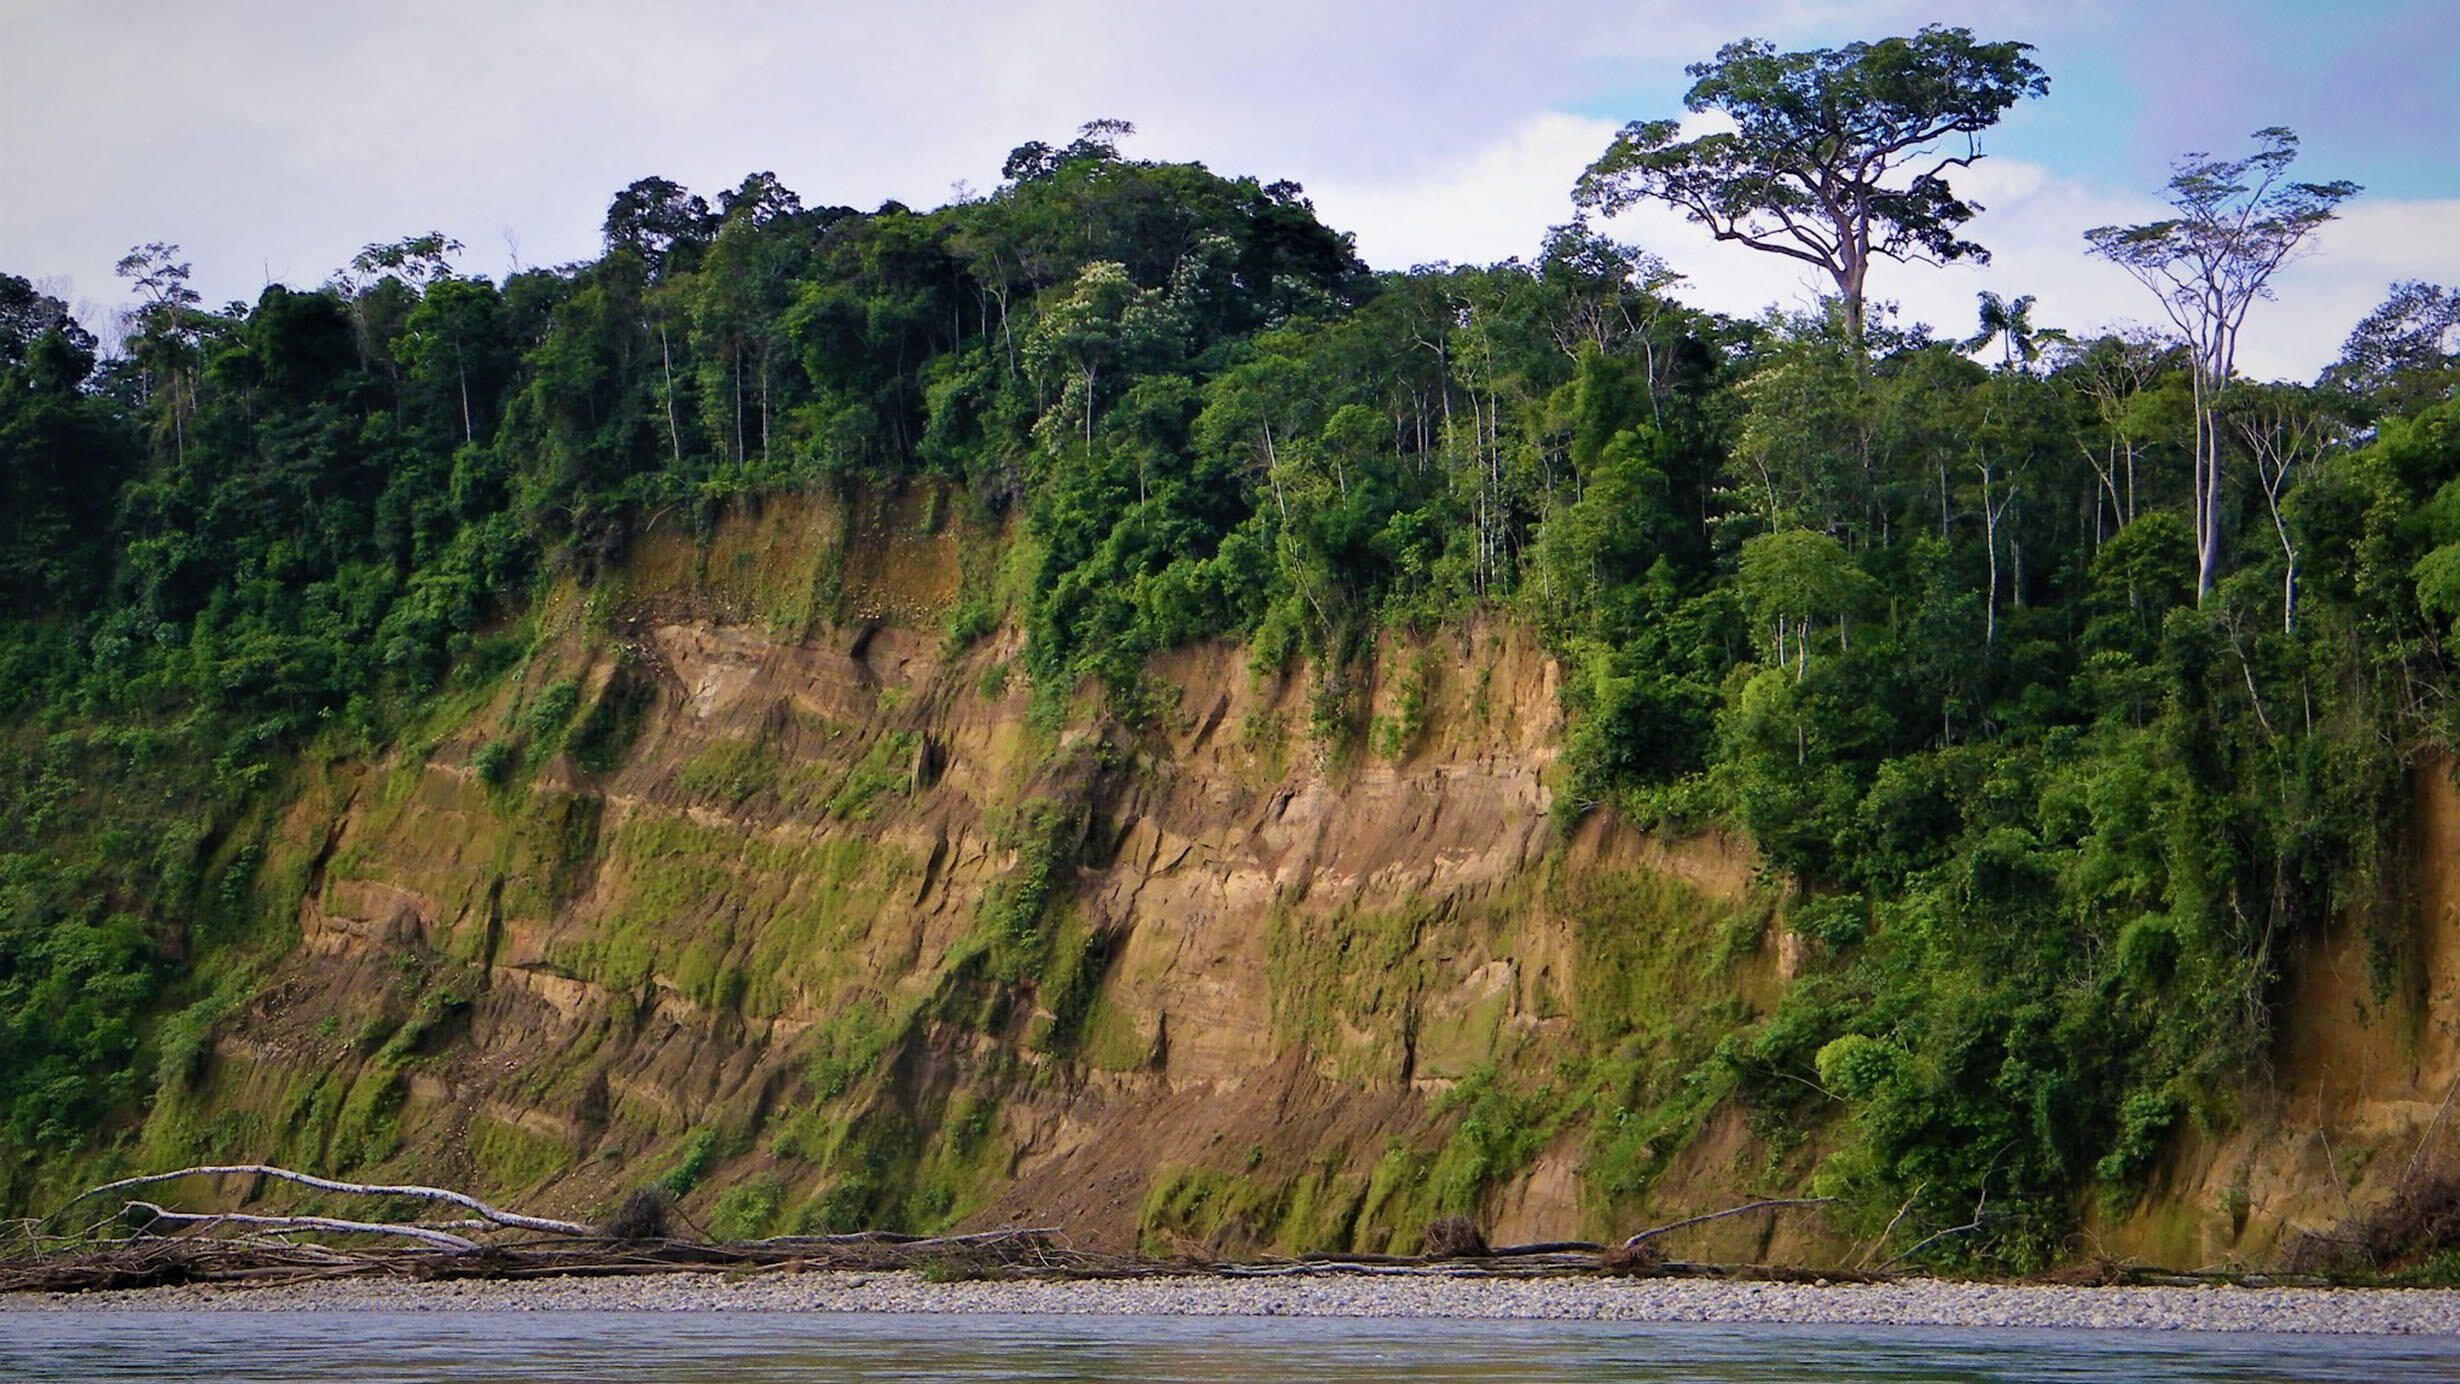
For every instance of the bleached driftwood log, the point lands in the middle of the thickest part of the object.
(509, 1219)
(441, 1239)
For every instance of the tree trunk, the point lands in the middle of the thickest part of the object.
(1990, 544)
(666, 362)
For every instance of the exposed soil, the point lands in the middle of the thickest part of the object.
(760, 931)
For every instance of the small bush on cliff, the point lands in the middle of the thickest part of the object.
(701, 1152)
(749, 1209)
(553, 707)
(1045, 835)
(494, 762)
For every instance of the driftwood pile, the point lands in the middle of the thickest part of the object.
(189, 1257)
(141, 1243)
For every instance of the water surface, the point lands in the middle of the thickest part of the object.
(741, 1348)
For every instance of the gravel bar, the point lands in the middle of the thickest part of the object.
(2367, 1311)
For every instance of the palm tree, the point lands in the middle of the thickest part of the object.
(2011, 324)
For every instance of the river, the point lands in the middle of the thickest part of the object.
(410, 1347)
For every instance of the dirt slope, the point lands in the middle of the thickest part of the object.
(841, 923)
(749, 879)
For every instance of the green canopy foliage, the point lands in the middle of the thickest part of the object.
(1835, 155)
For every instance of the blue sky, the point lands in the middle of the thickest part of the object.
(2372, 86)
(273, 138)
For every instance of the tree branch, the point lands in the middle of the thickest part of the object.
(440, 1239)
(326, 1184)
(1646, 1235)
(1893, 1221)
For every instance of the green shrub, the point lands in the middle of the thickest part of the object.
(494, 763)
(2144, 1122)
(187, 1039)
(700, 1155)
(969, 622)
(552, 707)
(749, 1209)
(885, 769)
(1855, 1067)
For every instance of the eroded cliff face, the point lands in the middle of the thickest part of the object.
(821, 915)
(749, 879)
(2356, 1107)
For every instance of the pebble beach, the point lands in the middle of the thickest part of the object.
(2343, 1311)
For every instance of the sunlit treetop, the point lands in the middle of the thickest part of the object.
(1836, 155)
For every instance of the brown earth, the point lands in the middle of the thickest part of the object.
(762, 930)
(847, 930)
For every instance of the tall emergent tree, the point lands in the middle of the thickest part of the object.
(2238, 220)
(1837, 154)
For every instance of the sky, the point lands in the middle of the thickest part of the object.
(272, 139)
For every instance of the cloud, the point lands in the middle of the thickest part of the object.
(273, 138)
(2034, 226)
(1493, 203)
(2356, 259)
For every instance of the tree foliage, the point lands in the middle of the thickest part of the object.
(1836, 155)
(2238, 222)
(2405, 354)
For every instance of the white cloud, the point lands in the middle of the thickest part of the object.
(2034, 226)
(273, 138)
(2374, 244)
(1494, 203)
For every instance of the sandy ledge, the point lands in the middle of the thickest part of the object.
(2434, 1312)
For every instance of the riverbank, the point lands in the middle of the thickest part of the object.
(2350, 1311)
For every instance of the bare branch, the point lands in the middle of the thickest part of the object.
(440, 1239)
(1966, 1229)
(1893, 1221)
(326, 1184)
(1647, 1235)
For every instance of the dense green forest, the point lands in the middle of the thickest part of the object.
(1932, 632)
